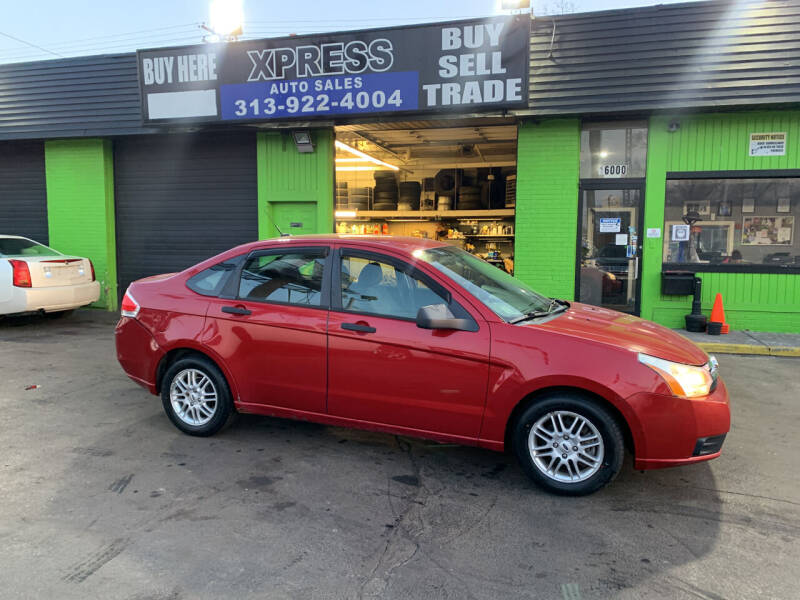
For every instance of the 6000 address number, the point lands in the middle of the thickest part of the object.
(318, 103)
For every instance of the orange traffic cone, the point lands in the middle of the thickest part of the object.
(718, 316)
(718, 312)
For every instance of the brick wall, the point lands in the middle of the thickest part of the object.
(547, 205)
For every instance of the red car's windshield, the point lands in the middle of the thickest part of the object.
(507, 297)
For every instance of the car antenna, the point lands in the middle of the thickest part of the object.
(279, 231)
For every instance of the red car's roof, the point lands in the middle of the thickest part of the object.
(406, 244)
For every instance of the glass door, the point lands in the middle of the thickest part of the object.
(609, 245)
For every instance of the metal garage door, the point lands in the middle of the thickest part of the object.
(181, 199)
(23, 193)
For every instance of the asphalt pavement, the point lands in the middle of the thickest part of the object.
(101, 497)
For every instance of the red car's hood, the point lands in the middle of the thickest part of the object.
(626, 331)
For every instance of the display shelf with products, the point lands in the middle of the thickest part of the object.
(343, 214)
(455, 184)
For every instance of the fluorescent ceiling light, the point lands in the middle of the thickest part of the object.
(344, 214)
(367, 168)
(360, 154)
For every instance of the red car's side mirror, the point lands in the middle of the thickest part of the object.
(439, 316)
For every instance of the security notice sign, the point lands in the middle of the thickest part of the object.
(460, 66)
(768, 144)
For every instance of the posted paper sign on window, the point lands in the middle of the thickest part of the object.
(610, 224)
(680, 233)
(768, 144)
(654, 232)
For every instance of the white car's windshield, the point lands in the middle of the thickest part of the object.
(508, 298)
(10, 247)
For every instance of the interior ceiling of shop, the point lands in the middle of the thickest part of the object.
(445, 143)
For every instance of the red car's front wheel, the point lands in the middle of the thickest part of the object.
(569, 444)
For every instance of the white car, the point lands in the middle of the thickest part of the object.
(35, 278)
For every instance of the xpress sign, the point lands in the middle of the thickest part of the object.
(466, 65)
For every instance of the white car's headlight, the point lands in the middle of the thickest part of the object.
(686, 381)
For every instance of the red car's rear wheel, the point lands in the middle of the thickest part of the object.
(196, 396)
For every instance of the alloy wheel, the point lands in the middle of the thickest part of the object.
(566, 446)
(193, 397)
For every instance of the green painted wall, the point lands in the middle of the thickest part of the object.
(548, 168)
(760, 302)
(286, 176)
(80, 206)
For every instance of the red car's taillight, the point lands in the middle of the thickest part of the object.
(22, 274)
(91, 266)
(130, 308)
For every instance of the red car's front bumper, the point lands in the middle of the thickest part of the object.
(138, 352)
(675, 431)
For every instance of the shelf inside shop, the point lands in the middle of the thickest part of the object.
(429, 214)
(490, 237)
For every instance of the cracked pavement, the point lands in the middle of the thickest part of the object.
(100, 497)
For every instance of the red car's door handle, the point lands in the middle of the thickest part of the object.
(358, 327)
(236, 310)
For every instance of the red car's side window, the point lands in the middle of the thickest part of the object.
(288, 277)
(210, 281)
(372, 286)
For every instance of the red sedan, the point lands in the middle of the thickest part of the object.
(415, 337)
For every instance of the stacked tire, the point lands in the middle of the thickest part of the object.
(428, 194)
(342, 200)
(359, 198)
(469, 198)
(409, 195)
(385, 193)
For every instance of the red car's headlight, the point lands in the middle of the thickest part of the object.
(686, 381)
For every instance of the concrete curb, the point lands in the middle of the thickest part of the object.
(716, 348)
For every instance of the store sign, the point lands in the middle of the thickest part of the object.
(461, 66)
(768, 144)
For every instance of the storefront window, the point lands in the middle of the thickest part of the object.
(457, 184)
(742, 222)
(613, 151)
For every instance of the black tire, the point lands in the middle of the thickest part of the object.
(224, 411)
(613, 445)
(412, 188)
(444, 181)
(59, 314)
